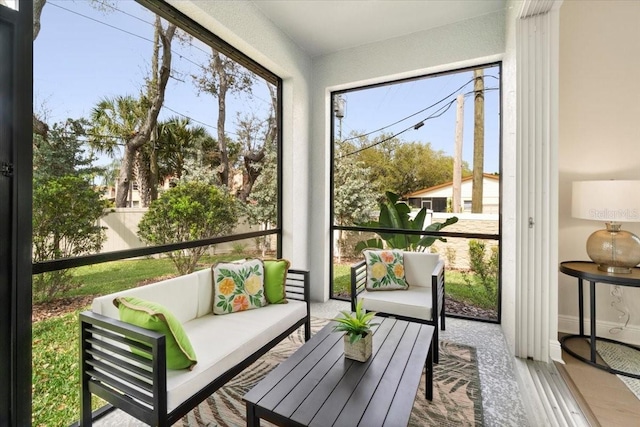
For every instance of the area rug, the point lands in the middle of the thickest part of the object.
(624, 359)
(456, 393)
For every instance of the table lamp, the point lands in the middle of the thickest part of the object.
(613, 202)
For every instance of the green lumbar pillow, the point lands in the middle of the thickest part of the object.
(275, 277)
(155, 317)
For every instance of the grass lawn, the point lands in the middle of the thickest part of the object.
(475, 295)
(56, 383)
(456, 287)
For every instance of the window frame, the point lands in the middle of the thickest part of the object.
(185, 23)
(482, 236)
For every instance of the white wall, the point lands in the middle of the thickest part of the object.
(509, 184)
(240, 24)
(467, 43)
(306, 225)
(599, 134)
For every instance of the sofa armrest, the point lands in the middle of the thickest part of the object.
(297, 287)
(112, 371)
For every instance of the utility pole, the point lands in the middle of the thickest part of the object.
(478, 142)
(457, 157)
(339, 111)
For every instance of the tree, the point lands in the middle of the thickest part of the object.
(254, 136)
(353, 197)
(134, 128)
(190, 211)
(66, 207)
(177, 140)
(223, 76)
(403, 167)
(261, 208)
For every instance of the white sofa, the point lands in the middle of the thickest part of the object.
(424, 300)
(224, 346)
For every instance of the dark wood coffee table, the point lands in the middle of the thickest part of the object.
(318, 386)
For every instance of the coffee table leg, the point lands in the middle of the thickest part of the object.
(252, 420)
(429, 375)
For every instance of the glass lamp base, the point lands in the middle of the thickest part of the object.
(614, 250)
(614, 269)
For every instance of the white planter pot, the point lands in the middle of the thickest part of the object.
(360, 350)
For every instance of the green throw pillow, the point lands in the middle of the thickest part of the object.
(155, 317)
(385, 270)
(275, 277)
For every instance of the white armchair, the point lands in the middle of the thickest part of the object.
(423, 302)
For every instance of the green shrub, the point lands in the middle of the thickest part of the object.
(485, 266)
(190, 211)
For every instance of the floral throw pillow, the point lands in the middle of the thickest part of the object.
(385, 270)
(238, 286)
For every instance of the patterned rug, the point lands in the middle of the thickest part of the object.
(624, 359)
(456, 392)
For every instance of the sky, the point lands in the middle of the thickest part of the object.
(79, 61)
(83, 55)
(374, 108)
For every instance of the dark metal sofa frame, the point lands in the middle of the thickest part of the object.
(359, 280)
(107, 370)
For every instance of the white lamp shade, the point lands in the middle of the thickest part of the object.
(607, 201)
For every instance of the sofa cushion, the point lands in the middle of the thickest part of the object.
(238, 286)
(155, 317)
(205, 291)
(385, 270)
(178, 294)
(415, 302)
(236, 337)
(275, 278)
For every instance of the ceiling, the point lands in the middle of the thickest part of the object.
(321, 27)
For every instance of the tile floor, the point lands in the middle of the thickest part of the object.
(501, 398)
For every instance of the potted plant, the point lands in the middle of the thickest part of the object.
(357, 329)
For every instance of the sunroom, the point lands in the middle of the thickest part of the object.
(567, 92)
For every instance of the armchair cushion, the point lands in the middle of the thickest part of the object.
(419, 267)
(415, 304)
(385, 270)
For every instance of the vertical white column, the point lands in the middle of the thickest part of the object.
(537, 199)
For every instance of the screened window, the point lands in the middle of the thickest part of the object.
(422, 157)
(157, 152)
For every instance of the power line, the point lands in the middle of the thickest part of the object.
(123, 12)
(416, 113)
(417, 126)
(180, 55)
(197, 121)
(130, 33)
(101, 22)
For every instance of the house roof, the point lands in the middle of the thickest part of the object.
(448, 184)
(322, 27)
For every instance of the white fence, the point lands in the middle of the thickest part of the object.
(455, 251)
(121, 226)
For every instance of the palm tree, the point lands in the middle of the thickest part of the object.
(114, 123)
(178, 140)
(127, 121)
